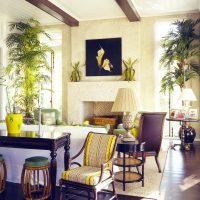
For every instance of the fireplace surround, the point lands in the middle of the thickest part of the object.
(88, 99)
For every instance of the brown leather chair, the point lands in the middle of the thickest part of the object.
(150, 130)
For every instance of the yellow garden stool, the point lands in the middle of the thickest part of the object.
(35, 178)
(3, 174)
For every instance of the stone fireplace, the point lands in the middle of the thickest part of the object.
(88, 99)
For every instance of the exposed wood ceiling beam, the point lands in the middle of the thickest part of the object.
(129, 10)
(54, 11)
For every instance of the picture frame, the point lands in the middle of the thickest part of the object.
(178, 114)
(193, 113)
(104, 57)
(173, 113)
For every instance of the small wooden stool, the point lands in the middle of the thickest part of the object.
(36, 170)
(3, 174)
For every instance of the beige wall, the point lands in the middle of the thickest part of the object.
(66, 63)
(129, 32)
(138, 41)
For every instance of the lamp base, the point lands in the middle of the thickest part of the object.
(128, 125)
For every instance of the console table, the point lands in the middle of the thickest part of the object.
(49, 141)
(129, 176)
(182, 121)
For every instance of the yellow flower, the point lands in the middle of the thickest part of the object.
(99, 56)
(106, 64)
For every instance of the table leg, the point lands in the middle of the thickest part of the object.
(67, 154)
(53, 155)
(124, 173)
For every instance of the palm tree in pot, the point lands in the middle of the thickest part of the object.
(28, 61)
(180, 58)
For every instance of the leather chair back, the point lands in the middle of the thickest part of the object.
(150, 129)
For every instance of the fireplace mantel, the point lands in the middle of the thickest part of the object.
(79, 92)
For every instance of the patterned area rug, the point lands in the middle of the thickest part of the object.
(152, 180)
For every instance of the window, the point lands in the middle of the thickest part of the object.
(166, 101)
(52, 91)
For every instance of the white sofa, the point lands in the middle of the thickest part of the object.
(15, 157)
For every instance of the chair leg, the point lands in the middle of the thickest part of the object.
(143, 175)
(61, 190)
(114, 191)
(88, 194)
(95, 194)
(158, 163)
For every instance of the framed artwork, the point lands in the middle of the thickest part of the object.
(193, 114)
(103, 57)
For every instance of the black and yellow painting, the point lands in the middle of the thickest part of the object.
(103, 57)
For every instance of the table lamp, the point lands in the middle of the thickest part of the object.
(126, 102)
(187, 133)
(186, 96)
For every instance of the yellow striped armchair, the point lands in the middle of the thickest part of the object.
(97, 171)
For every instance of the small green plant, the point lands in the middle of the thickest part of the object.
(76, 74)
(129, 72)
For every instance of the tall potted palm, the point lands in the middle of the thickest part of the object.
(27, 56)
(181, 47)
(180, 58)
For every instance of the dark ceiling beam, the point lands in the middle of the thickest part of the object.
(129, 10)
(54, 11)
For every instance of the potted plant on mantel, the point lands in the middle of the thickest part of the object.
(180, 54)
(129, 72)
(27, 56)
(76, 74)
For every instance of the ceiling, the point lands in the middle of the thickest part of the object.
(84, 10)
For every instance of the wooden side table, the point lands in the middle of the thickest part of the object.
(132, 149)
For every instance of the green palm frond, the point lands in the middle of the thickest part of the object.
(27, 56)
(180, 46)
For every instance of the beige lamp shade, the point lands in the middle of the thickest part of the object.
(125, 101)
(187, 94)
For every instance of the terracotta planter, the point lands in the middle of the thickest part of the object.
(14, 124)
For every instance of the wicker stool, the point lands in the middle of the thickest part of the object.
(3, 174)
(36, 170)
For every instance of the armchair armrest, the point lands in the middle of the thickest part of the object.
(78, 154)
(74, 157)
(103, 167)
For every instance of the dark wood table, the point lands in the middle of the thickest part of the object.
(182, 121)
(129, 148)
(48, 141)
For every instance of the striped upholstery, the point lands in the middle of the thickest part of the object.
(98, 150)
(85, 174)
